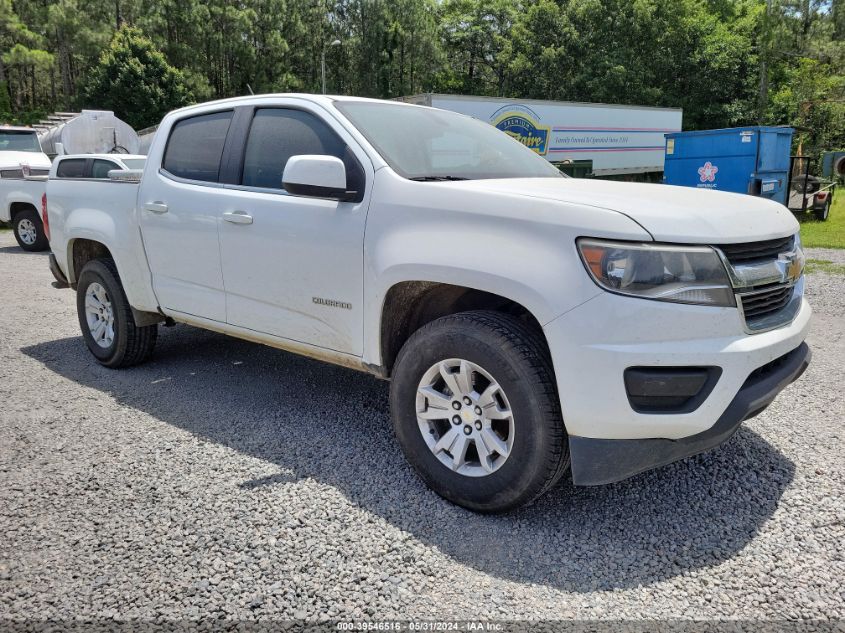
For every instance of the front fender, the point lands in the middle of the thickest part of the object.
(539, 284)
(522, 249)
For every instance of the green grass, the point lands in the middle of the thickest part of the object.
(825, 266)
(829, 234)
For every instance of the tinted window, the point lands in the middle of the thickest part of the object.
(196, 145)
(71, 168)
(101, 168)
(277, 134)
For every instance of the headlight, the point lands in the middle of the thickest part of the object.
(681, 274)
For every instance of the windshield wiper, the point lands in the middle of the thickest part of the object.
(437, 178)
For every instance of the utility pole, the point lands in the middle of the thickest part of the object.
(764, 70)
(323, 61)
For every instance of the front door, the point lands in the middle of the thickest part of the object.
(179, 207)
(293, 266)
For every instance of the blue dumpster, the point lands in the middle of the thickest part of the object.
(752, 160)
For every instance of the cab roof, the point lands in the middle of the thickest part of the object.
(17, 128)
(105, 156)
(314, 98)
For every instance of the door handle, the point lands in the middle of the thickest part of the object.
(156, 207)
(237, 217)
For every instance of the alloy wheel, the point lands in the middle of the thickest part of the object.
(99, 314)
(465, 417)
(27, 231)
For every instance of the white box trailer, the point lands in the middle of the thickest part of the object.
(606, 139)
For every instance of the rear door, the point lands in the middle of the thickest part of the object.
(180, 206)
(293, 266)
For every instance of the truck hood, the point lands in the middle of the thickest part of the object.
(671, 214)
(13, 160)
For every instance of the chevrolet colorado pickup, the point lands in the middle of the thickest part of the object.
(529, 323)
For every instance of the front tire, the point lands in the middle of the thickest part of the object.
(29, 231)
(475, 410)
(106, 320)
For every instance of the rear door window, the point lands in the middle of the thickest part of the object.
(195, 146)
(101, 168)
(276, 134)
(71, 168)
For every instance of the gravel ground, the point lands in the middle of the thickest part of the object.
(229, 480)
(827, 254)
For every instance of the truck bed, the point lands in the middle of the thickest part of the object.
(103, 211)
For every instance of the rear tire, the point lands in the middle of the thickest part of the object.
(106, 320)
(29, 231)
(495, 354)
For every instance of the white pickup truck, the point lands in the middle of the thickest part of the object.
(529, 323)
(22, 163)
(22, 190)
(19, 150)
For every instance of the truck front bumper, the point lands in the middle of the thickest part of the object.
(601, 461)
(594, 344)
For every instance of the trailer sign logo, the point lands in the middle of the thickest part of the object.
(708, 172)
(526, 131)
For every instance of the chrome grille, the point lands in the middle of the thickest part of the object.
(760, 303)
(750, 251)
(767, 281)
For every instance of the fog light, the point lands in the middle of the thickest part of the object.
(669, 389)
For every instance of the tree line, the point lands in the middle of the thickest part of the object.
(725, 62)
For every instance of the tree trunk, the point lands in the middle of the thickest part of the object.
(4, 83)
(64, 70)
(19, 91)
(53, 86)
(32, 86)
(402, 68)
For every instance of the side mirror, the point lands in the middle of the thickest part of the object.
(316, 176)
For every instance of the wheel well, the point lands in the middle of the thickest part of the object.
(412, 304)
(83, 251)
(18, 207)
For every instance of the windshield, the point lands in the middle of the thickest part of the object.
(134, 163)
(430, 144)
(19, 141)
